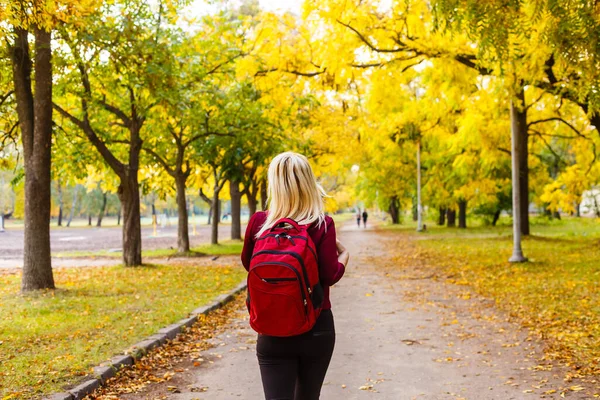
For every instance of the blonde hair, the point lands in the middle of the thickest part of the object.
(293, 192)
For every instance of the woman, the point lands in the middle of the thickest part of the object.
(293, 368)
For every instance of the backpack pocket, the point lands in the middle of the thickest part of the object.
(276, 307)
(317, 296)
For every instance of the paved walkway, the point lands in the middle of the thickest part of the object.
(97, 239)
(398, 337)
(65, 239)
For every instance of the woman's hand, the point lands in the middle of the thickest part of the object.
(343, 255)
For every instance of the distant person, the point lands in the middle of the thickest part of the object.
(365, 215)
(358, 218)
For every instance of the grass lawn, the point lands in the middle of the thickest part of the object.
(339, 219)
(95, 313)
(556, 293)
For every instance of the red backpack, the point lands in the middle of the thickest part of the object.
(284, 294)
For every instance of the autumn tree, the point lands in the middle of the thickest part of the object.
(188, 114)
(121, 67)
(244, 130)
(32, 74)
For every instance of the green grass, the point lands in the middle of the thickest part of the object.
(227, 247)
(342, 217)
(556, 293)
(51, 339)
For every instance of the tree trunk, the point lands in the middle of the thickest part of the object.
(496, 217)
(394, 210)
(556, 215)
(183, 235)
(462, 214)
(102, 210)
(73, 205)
(208, 201)
(129, 194)
(264, 195)
(252, 203)
(451, 218)
(415, 210)
(523, 154)
(210, 215)
(214, 237)
(442, 217)
(35, 121)
(236, 205)
(60, 205)
(119, 215)
(90, 219)
(578, 209)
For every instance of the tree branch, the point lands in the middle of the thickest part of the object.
(204, 197)
(5, 97)
(549, 147)
(160, 160)
(104, 151)
(368, 43)
(559, 119)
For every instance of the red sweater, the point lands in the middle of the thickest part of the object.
(330, 269)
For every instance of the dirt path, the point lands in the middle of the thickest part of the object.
(398, 337)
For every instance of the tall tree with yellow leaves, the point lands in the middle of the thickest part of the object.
(32, 85)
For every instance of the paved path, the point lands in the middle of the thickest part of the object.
(398, 337)
(96, 239)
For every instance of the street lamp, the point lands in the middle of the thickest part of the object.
(419, 205)
(517, 255)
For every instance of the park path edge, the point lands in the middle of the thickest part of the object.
(107, 370)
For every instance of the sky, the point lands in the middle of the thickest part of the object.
(201, 7)
(283, 5)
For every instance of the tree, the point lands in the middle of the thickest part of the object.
(121, 67)
(238, 114)
(407, 33)
(32, 85)
(185, 115)
(34, 108)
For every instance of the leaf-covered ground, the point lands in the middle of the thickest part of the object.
(403, 332)
(556, 294)
(166, 363)
(51, 339)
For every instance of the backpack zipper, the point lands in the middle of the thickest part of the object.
(270, 280)
(283, 264)
(277, 235)
(296, 256)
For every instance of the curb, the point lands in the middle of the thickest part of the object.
(107, 370)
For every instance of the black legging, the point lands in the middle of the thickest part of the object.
(293, 368)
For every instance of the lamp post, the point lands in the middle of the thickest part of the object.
(419, 205)
(2, 205)
(517, 255)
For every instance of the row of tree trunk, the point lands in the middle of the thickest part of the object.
(447, 216)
